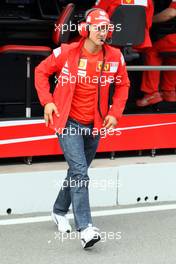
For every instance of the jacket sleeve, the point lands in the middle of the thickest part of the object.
(149, 13)
(173, 4)
(46, 68)
(122, 84)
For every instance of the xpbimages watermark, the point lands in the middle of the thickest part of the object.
(71, 27)
(77, 235)
(93, 183)
(103, 80)
(102, 132)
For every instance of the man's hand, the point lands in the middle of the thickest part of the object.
(48, 111)
(165, 15)
(109, 122)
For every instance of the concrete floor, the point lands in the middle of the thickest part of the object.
(139, 238)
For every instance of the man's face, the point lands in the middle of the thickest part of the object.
(98, 33)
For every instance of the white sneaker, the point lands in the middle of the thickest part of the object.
(62, 223)
(89, 236)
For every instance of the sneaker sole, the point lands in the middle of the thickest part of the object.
(92, 242)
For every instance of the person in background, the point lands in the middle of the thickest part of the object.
(110, 5)
(159, 86)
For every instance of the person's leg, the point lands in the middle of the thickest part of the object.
(73, 149)
(63, 199)
(168, 82)
(90, 235)
(151, 79)
(90, 147)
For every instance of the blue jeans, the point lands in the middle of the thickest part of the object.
(79, 148)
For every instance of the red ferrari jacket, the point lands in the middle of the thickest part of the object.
(110, 5)
(64, 61)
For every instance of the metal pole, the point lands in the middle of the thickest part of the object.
(151, 68)
(28, 88)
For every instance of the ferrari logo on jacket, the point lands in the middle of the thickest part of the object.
(108, 67)
(128, 2)
(135, 2)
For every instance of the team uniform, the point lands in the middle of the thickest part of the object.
(151, 81)
(110, 5)
(79, 99)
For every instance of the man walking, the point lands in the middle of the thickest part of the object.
(78, 105)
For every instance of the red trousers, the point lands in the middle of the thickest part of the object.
(152, 81)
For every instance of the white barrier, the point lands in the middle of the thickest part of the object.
(147, 183)
(30, 192)
(36, 191)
